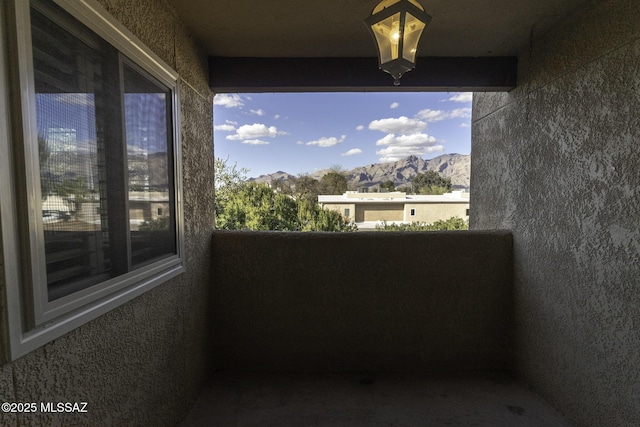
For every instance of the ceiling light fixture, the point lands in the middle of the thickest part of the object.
(396, 27)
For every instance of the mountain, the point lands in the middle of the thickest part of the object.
(276, 176)
(454, 166)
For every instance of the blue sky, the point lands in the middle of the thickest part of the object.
(305, 132)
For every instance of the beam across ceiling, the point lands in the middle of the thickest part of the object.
(432, 74)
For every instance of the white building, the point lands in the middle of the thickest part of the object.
(369, 209)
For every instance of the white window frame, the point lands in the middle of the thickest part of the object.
(33, 320)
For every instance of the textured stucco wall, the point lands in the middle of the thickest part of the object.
(557, 161)
(379, 212)
(431, 212)
(144, 362)
(362, 301)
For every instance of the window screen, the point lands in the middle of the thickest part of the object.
(104, 142)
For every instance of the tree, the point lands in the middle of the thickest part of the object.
(430, 182)
(333, 183)
(227, 180)
(453, 223)
(74, 191)
(314, 218)
(306, 188)
(257, 207)
(282, 185)
(45, 180)
(226, 176)
(242, 205)
(388, 185)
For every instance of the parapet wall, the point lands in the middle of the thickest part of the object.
(361, 301)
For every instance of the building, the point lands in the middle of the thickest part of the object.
(549, 286)
(369, 209)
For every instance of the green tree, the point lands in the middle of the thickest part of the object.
(388, 185)
(257, 207)
(333, 183)
(242, 205)
(430, 182)
(46, 186)
(282, 185)
(306, 187)
(74, 190)
(227, 180)
(314, 218)
(453, 223)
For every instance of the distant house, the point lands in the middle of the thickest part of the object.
(369, 209)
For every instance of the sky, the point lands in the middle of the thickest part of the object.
(305, 132)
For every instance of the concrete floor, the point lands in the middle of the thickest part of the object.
(372, 400)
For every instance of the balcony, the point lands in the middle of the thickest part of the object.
(371, 326)
(364, 329)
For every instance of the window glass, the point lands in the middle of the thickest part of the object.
(106, 166)
(148, 161)
(71, 99)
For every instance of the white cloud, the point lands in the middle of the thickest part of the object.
(277, 116)
(460, 112)
(400, 125)
(414, 140)
(231, 122)
(393, 154)
(439, 115)
(228, 100)
(225, 128)
(255, 142)
(402, 146)
(360, 127)
(465, 125)
(462, 97)
(431, 115)
(326, 142)
(259, 112)
(255, 131)
(352, 152)
(394, 105)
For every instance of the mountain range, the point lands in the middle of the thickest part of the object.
(454, 166)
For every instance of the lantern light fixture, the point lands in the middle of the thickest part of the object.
(396, 27)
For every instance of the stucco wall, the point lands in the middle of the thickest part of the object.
(340, 207)
(557, 161)
(432, 212)
(144, 362)
(362, 301)
(379, 212)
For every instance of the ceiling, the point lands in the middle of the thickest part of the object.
(334, 28)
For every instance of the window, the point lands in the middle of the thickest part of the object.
(412, 212)
(100, 143)
(347, 212)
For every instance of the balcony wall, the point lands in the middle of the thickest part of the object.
(145, 362)
(557, 162)
(362, 301)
